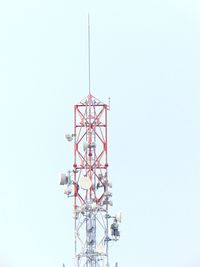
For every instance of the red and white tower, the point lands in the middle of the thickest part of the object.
(90, 186)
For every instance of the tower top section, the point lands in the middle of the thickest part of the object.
(90, 100)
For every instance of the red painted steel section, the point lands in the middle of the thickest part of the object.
(90, 150)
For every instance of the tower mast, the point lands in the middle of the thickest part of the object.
(88, 182)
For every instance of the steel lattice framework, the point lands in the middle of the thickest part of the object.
(89, 185)
(90, 161)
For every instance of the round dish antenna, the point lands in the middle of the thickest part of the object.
(85, 183)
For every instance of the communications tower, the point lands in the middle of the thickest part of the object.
(89, 185)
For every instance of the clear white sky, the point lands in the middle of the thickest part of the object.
(146, 57)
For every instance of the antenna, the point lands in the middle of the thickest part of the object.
(89, 183)
(89, 78)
